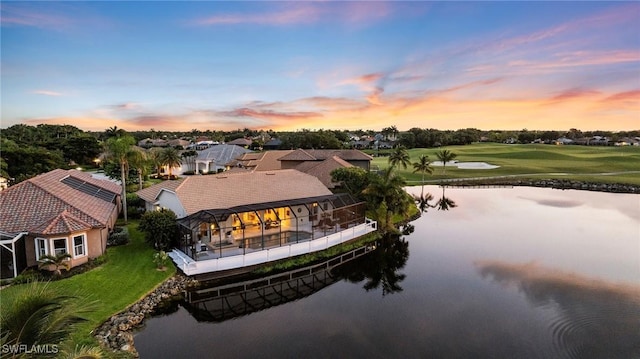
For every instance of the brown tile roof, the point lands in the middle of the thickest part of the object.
(64, 222)
(320, 155)
(45, 204)
(322, 170)
(228, 190)
(264, 161)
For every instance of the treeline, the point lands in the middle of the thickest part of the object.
(30, 150)
(27, 151)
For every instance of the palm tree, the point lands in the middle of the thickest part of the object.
(119, 148)
(170, 157)
(58, 261)
(399, 156)
(39, 315)
(386, 191)
(445, 156)
(138, 160)
(423, 165)
(190, 159)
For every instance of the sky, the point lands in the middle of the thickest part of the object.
(207, 65)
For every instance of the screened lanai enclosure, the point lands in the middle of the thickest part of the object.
(217, 233)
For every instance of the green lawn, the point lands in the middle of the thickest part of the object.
(586, 163)
(127, 276)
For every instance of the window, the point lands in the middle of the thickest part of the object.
(78, 246)
(41, 248)
(59, 246)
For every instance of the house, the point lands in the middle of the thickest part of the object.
(242, 142)
(62, 211)
(354, 157)
(239, 219)
(262, 161)
(319, 168)
(218, 158)
(272, 144)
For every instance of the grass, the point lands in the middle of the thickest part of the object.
(127, 276)
(582, 163)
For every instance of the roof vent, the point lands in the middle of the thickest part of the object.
(270, 173)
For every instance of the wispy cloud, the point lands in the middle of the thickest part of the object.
(303, 13)
(23, 15)
(47, 93)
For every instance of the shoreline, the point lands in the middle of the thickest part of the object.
(543, 183)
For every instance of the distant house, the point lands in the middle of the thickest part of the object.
(272, 144)
(354, 157)
(564, 141)
(242, 142)
(318, 163)
(236, 220)
(62, 211)
(218, 158)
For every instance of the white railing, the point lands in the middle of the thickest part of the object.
(192, 267)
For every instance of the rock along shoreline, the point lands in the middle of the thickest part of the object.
(116, 334)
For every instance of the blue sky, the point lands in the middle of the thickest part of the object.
(340, 65)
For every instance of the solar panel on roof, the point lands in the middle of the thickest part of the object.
(89, 188)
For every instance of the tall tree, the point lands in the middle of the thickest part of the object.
(119, 149)
(445, 156)
(138, 160)
(170, 157)
(399, 156)
(423, 166)
(387, 191)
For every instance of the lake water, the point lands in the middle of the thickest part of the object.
(503, 273)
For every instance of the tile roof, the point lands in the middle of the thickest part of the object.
(264, 161)
(45, 204)
(221, 154)
(322, 170)
(227, 190)
(320, 155)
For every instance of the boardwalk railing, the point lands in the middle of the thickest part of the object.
(190, 267)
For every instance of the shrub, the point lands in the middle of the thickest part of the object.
(27, 276)
(160, 229)
(160, 259)
(118, 237)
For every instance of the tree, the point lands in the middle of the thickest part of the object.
(445, 156)
(423, 166)
(399, 156)
(387, 190)
(138, 160)
(353, 179)
(160, 229)
(58, 261)
(170, 157)
(39, 315)
(119, 149)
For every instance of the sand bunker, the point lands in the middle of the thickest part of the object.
(467, 165)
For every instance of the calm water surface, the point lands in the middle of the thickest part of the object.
(487, 273)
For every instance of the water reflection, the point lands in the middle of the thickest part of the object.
(444, 203)
(217, 302)
(382, 268)
(590, 318)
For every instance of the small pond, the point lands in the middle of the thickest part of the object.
(487, 273)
